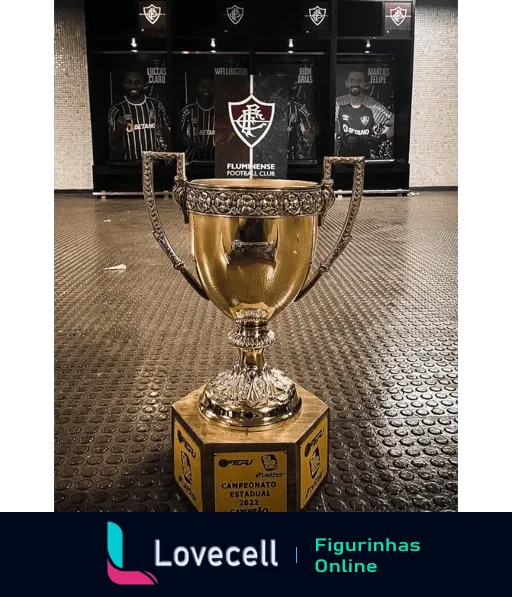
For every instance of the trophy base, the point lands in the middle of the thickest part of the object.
(235, 398)
(269, 469)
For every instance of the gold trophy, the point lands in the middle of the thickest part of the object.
(251, 439)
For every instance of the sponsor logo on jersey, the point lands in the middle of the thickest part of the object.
(349, 129)
(142, 127)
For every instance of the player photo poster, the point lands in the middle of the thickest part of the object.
(303, 127)
(364, 118)
(197, 113)
(251, 133)
(137, 118)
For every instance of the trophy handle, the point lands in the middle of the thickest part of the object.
(353, 208)
(148, 158)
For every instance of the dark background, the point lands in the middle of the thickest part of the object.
(262, 42)
(455, 549)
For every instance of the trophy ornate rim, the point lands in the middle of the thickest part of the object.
(255, 184)
(254, 199)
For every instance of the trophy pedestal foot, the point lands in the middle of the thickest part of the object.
(263, 469)
(250, 397)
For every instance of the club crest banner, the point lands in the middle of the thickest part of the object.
(251, 130)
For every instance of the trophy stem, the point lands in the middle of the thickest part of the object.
(251, 394)
(254, 359)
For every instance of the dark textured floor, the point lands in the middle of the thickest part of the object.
(376, 339)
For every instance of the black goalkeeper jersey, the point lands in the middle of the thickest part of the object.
(144, 128)
(355, 126)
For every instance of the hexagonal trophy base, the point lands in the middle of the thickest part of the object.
(269, 469)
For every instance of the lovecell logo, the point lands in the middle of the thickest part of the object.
(262, 555)
(115, 570)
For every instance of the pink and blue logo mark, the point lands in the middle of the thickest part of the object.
(115, 569)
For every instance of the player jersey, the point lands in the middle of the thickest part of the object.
(144, 129)
(380, 113)
(299, 147)
(354, 127)
(199, 124)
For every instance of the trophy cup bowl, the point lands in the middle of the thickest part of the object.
(253, 241)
